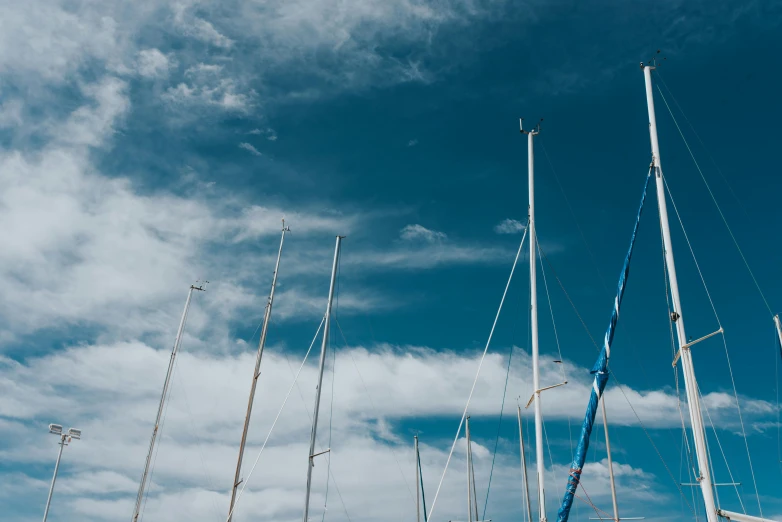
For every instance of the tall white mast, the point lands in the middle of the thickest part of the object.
(256, 373)
(166, 384)
(525, 482)
(690, 384)
(533, 307)
(779, 328)
(323, 346)
(610, 462)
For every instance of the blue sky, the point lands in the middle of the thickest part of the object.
(145, 146)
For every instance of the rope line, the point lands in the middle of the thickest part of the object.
(249, 475)
(697, 136)
(725, 344)
(309, 416)
(618, 382)
(372, 402)
(497, 440)
(207, 472)
(477, 374)
(163, 420)
(714, 199)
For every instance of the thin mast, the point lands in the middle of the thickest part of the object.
(156, 430)
(326, 324)
(469, 471)
(524, 480)
(256, 373)
(610, 462)
(690, 384)
(533, 307)
(779, 328)
(417, 484)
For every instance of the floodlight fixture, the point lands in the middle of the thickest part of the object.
(74, 433)
(56, 429)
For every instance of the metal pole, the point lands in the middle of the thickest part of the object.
(779, 328)
(474, 489)
(417, 484)
(155, 431)
(469, 467)
(54, 478)
(256, 373)
(740, 517)
(690, 384)
(323, 346)
(610, 462)
(524, 480)
(533, 306)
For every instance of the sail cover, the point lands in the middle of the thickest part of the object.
(600, 371)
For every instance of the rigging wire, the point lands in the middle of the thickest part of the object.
(724, 342)
(296, 378)
(207, 472)
(724, 457)
(776, 371)
(619, 384)
(477, 374)
(502, 409)
(686, 449)
(556, 477)
(551, 309)
(333, 346)
(497, 440)
(559, 349)
(162, 423)
(714, 199)
(309, 416)
(372, 402)
(692, 128)
(573, 214)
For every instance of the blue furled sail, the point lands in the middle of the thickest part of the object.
(600, 371)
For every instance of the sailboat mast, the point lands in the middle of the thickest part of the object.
(166, 383)
(524, 480)
(533, 306)
(323, 346)
(610, 462)
(417, 484)
(256, 373)
(779, 328)
(469, 469)
(690, 384)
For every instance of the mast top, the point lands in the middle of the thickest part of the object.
(652, 63)
(535, 130)
(284, 227)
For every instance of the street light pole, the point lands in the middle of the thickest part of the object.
(65, 438)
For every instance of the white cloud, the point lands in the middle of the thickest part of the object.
(208, 86)
(153, 63)
(412, 143)
(509, 226)
(268, 132)
(249, 148)
(111, 392)
(199, 28)
(421, 233)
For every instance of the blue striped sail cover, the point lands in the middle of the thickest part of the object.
(600, 371)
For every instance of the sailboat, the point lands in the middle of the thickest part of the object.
(684, 355)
